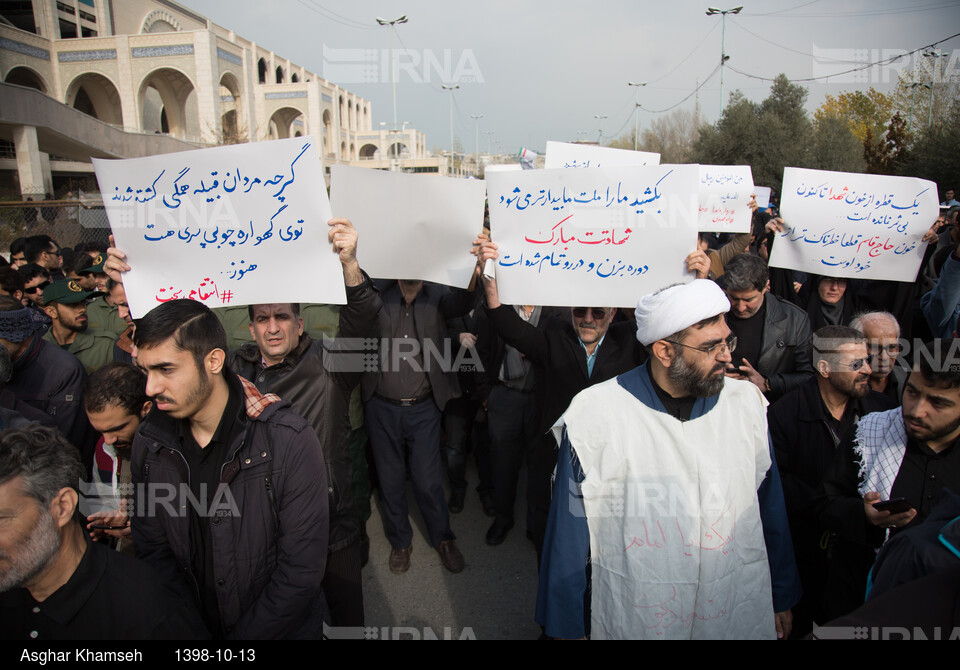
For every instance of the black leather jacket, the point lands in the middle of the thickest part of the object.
(784, 347)
(319, 390)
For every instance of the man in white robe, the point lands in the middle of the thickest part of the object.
(665, 482)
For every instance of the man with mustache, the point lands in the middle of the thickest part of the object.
(55, 584)
(668, 508)
(807, 425)
(907, 453)
(115, 399)
(583, 349)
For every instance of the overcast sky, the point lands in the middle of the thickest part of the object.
(542, 70)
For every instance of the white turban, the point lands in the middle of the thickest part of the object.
(672, 309)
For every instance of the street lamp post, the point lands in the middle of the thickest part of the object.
(600, 131)
(476, 165)
(636, 112)
(935, 54)
(451, 89)
(723, 36)
(489, 134)
(393, 68)
(913, 95)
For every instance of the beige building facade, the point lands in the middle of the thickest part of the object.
(150, 68)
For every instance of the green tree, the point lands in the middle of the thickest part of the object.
(861, 112)
(926, 93)
(768, 136)
(836, 147)
(935, 151)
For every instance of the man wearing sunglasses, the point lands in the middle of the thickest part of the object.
(807, 425)
(567, 358)
(667, 516)
(35, 279)
(892, 473)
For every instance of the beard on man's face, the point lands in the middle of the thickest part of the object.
(693, 381)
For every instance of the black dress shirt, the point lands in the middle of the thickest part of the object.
(110, 596)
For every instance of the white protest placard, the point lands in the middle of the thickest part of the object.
(854, 225)
(598, 237)
(234, 225)
(725, 192)
(504, 167)
(567, 155)
(416, 226)
(763, 196)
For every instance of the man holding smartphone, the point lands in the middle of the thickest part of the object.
(909, 452)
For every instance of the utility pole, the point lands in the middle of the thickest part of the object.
(477, 117)
(393, 65)
(451, 89)
(723, 37)
(600, 131)
(636, 113)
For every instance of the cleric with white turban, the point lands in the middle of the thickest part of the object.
(671, 309)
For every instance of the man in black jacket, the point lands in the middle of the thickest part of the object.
(570, 356)
(773, 335)
(246, 533)
(45, 376)
(287, 362)
(908, 452)
(807, 425)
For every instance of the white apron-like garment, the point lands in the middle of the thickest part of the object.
(676, 540)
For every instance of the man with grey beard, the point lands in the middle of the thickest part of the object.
(667, 507)
(55, 584)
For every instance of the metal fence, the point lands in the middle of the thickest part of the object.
(69, 222)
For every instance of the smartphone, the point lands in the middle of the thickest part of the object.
(108, 527)
(734, 367)
(894, 505)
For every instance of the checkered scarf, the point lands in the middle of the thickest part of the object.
(255, 401)
(881, 443)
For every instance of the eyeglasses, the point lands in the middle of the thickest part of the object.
(597, 312)
(38, 287)
(712, 350)
(891, 349)
(853, 365)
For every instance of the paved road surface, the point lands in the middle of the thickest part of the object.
(492, 599)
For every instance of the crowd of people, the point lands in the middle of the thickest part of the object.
(727, 460)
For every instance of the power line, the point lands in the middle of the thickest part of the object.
(885, 61)
(692, 51)
(802, 53)
(317, 8)
(871, 12)
(781, 11)
(692, 93)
